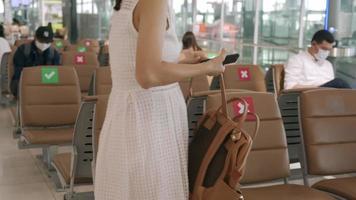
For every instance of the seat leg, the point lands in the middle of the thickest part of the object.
(285, 180)
(56, 181)
(48, 153)
(79, 196)
(17, 126)
(16, 132)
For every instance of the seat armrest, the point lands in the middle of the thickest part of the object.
(211, 92)
(90, 98)
(298, 90)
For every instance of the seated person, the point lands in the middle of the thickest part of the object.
(4, 44)
(191, 50)
(310, 68)
(37, 53)
(60, 34)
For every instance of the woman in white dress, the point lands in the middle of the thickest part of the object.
(144, 141)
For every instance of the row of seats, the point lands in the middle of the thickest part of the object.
(56, 114)
(288, 101)
(326, 151)
(84, 62)
(269, 149)
(251, 77)
(245, 77)
(85, 45)
(75, 117)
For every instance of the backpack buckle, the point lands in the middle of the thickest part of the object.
(235, 135)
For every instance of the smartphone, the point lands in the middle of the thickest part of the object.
(229, 59)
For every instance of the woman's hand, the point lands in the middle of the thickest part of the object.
(190, 57)
(215, 66)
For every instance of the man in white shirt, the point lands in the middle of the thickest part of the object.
(310, 68)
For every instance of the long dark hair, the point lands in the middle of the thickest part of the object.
(117, 5)
(189, 41)
(2, 31)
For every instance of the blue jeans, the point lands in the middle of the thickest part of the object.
(336, 83)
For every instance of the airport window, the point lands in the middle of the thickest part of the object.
(2, 7)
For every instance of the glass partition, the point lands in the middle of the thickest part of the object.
(280, 22)
(93, 18)
(314, 18)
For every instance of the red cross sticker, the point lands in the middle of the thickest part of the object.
(244, 74)
(239, 108)
(79, 60)
(87, 43)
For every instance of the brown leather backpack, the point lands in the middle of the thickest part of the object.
(218, 153)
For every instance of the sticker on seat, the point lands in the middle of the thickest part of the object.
(244, 74)
(50, 75)
(79, 59)
(82, 49)
(59, 44)
(239, 108)
(87, 43)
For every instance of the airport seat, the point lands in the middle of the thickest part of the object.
(61, 45)
(245, 77)
(102, 84)
(195, 104)
(268, 160)
(4, 79)
(62, 163)
(80, 48)
(328, 126)
(104, 57)
(102, 81)
(14, 110)
(99, 117)
(85, 64)
(288, 104)
(196, 107)
(85, 74)
(48, 111)
(269, 80)
(284, 192)
(80, 59)
(278, 78)
(194, 85)
(90, 43)
(75, 168)
(10, 68)
(341, 187)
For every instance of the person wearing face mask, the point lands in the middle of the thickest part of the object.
(310, 68)
(37, 53)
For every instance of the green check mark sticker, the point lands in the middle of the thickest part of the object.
(82, 49)
(50, 75)
(59, 44)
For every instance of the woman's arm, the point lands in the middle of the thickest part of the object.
(201, 54)
(151, 20)
(189, 57)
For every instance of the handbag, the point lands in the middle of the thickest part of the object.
(218, 153)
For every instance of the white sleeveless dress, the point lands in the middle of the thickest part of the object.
(144, 140)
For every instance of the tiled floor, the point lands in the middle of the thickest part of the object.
(22, 176)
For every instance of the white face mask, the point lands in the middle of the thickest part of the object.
(42, 46)
(322, 55)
